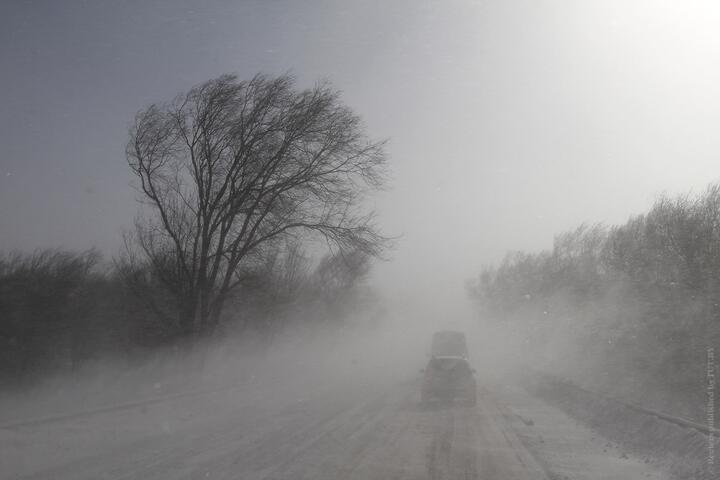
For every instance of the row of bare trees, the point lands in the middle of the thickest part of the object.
(674, 246)
(60, 309)
(640, 302)
(237, 181)
(43, 301)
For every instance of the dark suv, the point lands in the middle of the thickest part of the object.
(449, 343)
(447, 379)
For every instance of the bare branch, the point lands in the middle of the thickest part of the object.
(232, 165)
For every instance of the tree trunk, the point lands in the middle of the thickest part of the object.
(188, 317)
(215, 312)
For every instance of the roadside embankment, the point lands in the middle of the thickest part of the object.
(683, 448)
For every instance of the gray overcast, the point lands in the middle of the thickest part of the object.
(508, 120)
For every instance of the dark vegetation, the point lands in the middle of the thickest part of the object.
(59, 310)
(252, 219)
(629, 310)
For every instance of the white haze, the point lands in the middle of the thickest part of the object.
(508, 122)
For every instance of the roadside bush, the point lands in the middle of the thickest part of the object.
(632, 307)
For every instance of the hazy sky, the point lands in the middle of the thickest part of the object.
(508, 120)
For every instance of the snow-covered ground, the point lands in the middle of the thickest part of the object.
(354, 422)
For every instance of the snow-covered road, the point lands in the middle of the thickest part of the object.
(312, 430)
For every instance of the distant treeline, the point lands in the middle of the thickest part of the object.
(640, 301)
(60, 309)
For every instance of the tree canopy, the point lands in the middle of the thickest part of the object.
(232, 167)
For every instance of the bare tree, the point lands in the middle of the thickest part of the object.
(44, 308)
(231, 167)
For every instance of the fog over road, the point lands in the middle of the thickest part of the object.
(311, 429)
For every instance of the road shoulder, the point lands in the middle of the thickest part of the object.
(563, 447)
